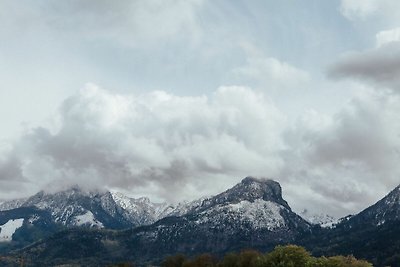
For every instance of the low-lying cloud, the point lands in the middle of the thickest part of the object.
(173, 148)
(156, 139)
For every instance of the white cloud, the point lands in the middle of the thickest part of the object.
(173, 148)
(381, 12)
(269, 72)
(387, 36)
(272, 73)
(152, 140)
(359, 9)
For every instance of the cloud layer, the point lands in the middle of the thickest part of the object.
(175, 148)
(155, 139)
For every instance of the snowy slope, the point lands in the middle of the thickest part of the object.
(9, 228)
(66, 206)
(12, 204)
(186, 207)
(253, 201)
(87, 219)
(258, 214)
(108, 209)
(141, 211)
(257, 202)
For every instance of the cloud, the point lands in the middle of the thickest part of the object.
(358, 9)
(379, 66)
(361, 10)
(172, 148)
(387, 37)
(153, 140)
(130, 23)
(269, 72)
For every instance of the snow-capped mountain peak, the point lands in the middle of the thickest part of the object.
(249, 189)
(72, 206)
(321, 219)
(255, 201)
(12, 204)
(141, 211)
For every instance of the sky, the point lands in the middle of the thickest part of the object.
(180, 99)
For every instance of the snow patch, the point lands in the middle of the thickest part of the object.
(380, 222)
(33, 219)
(87, 219)
(259, 214)
(9, 228)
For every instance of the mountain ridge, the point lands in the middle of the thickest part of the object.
(251, 214)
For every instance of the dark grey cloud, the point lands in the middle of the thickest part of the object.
(380, 66)
(10, 169)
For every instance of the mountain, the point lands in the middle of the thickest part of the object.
(323, 220)
(44, 214)
(141, 211)
(75, 207)
(384, 211)
(24, 221)
(12, 204)
(251, 214)
(373, 234)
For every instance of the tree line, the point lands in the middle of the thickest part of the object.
(281, 256)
